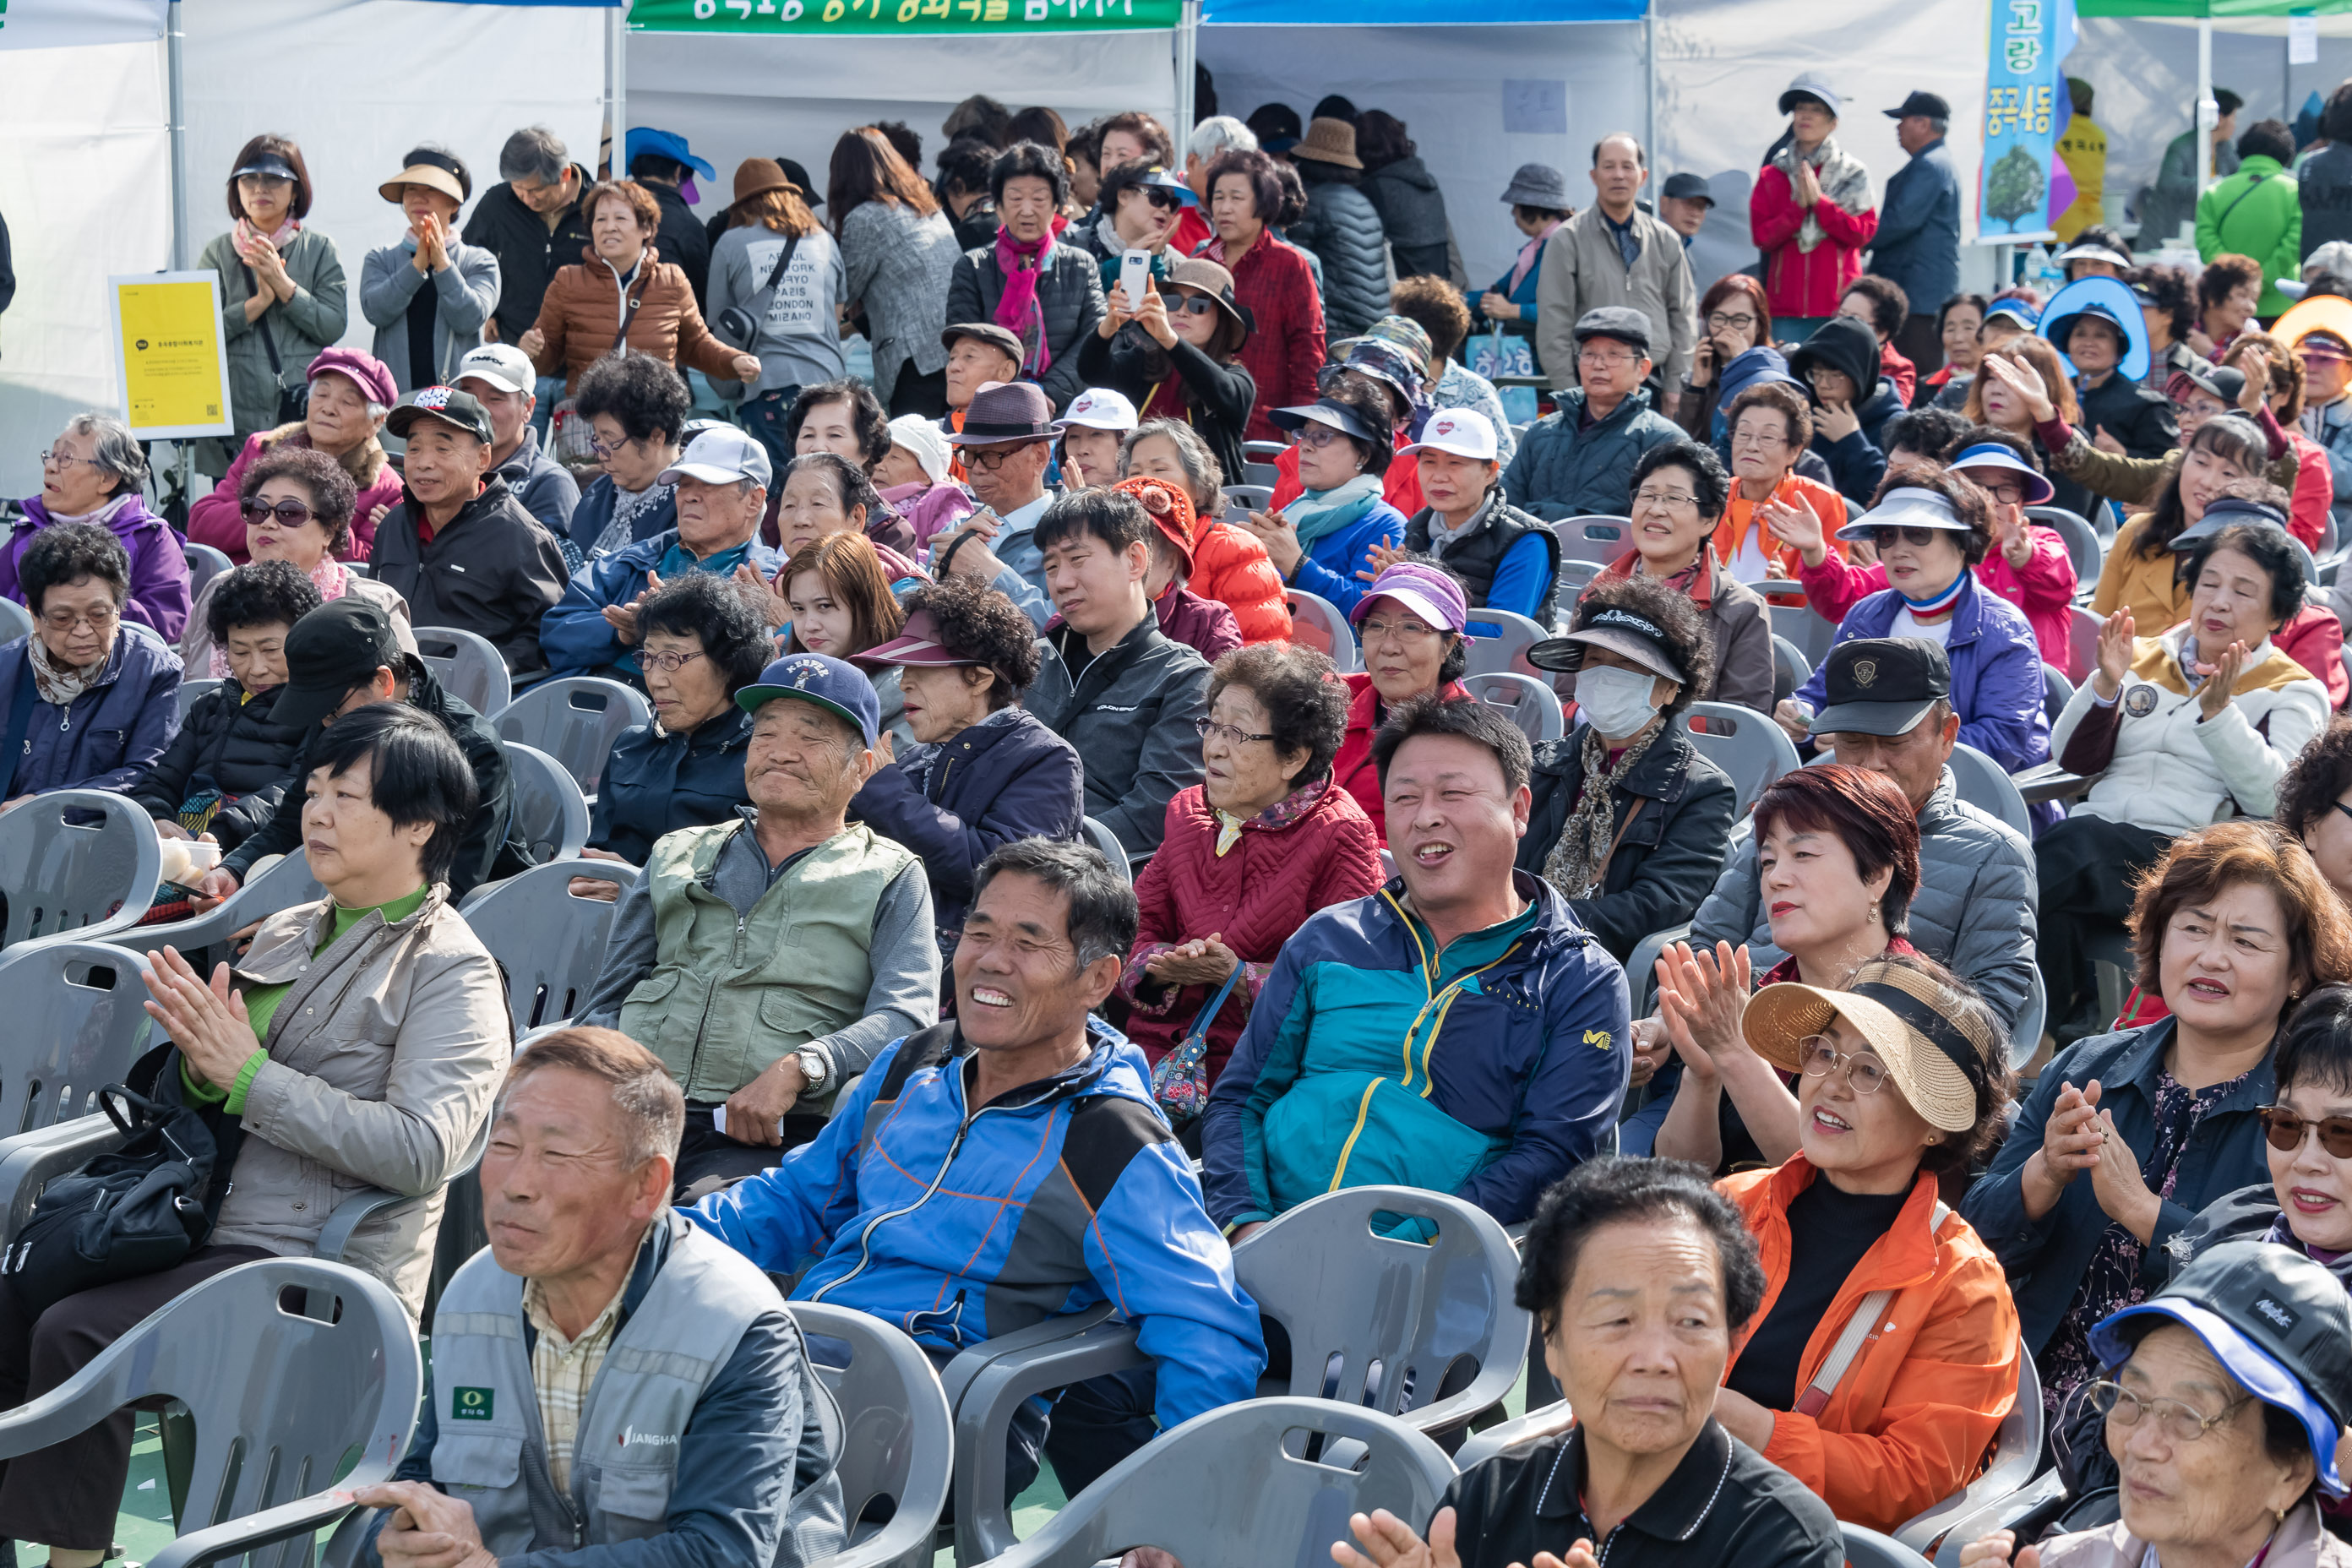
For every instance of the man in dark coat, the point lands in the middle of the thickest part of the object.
(661, 161)
(533, 224)
(1918, 241)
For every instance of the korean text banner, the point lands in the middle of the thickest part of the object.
(168, 352)
(2025, 108)
(902, 17)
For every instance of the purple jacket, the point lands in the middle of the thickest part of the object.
(159, 568)
(1204, 624)
(112, 735)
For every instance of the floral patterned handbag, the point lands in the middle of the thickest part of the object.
(1180, 1081)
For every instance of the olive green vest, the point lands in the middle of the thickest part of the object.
(729, 996)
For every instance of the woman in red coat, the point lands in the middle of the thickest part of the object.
(1267, 838)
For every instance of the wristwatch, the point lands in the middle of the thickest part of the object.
(813, 1068)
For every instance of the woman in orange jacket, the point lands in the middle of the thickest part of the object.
(1900, 1080)
(1771, 425)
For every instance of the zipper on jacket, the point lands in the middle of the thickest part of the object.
(711, 997)
(865, 1237)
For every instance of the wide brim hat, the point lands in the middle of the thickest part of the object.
(1328, 141)
(2109, 300)
(1538, 185)
(1808, 85)
(757, 176)
(1906, 506)
(1936, 1059)
(1008, 411)
(431, 176)
(2329, 313)
(1323, 411)
(1216, 283)
(1993, 455)
(918, 643)
(2092, 251)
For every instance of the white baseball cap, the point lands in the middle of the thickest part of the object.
(500, 364)
(1464, 432)
(1100, 408)
(922, 438)
(719, 456)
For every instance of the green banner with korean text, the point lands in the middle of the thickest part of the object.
(902, 17)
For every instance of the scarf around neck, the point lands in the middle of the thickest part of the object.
(1318, 512)
(1843, 179)
(58, 684)
(1577, 861)
(103, 516)
(1023, 264)
(1528, 253)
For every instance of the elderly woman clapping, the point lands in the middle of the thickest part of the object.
(2224, 1395)
(93, 472)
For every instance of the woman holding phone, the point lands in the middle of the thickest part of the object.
(1185, 362)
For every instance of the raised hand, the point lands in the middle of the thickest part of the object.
(1796, 526)
(2025, 384)
(2221, 680)
(1389, 1542)
(1702, 996)
(1837, 420)
(2116, 643)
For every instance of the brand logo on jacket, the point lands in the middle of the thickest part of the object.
(472, 1404)
(2140, 700)
(1597, 1038)
(647, 1439)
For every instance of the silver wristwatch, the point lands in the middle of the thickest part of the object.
(812, 1068)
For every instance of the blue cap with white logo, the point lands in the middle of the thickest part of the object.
(817, 677)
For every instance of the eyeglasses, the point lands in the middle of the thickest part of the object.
(1885, 536)
(1377, 631)
(2285, 1131)
(1162, 200)
(2008, 492)
(1198, 304)
(988, 460)
(292, 513)
(1208, 727)
(1818, 1057)
(2176, 1418)
(1315, 438)
(1663, 498)
(1760, 439)
(66, 620)
(668, 663)
(60, 458)
(1608, 361)
(604, 448)
(1718, 320)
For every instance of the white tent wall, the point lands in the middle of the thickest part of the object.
(734, 98)
(378, 77)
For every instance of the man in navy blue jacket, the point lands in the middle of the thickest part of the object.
(1918, 240)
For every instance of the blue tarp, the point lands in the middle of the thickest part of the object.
(1417, 13)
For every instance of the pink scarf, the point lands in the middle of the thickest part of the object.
(1020, 262)
(1528, 255)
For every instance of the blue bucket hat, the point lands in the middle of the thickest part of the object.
(2109, 300)
(2016, 309)
(664, 144)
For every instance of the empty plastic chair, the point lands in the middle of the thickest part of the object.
(1598, 537)
(575, 719)
(16, 621)
(1794, 618)
(468, 665)
(548, 940)
(1642, 968)
(549, 809)
(77, 1024)
(81, 860)
(1744, 743)
(1104, 839)
(1247, 498)
(2016, 1454)
(190, 691)
(1500, 642)
(896, 1445)
(1316, 623)
(1981, 783)
(1234, 1487)
(204, 564)
(1533, 706)
(2057, 692)
(2083, 642)
(2083, 546)
(1790, 668)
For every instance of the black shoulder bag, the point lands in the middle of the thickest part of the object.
(738, 326)
(293, 401)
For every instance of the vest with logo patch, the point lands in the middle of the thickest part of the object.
(491, 1450)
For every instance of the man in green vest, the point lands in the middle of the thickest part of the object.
(766, 962)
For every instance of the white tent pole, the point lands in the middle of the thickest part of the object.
(176, 65)
(1650, 86)
(616, 85)
(2209, 112)
(1188, 52)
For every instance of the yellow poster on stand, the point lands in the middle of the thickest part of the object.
(169, 354)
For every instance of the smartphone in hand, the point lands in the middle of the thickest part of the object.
(1134, 276)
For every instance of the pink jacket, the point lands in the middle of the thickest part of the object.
(1799, 283)
(215, 519)
(2044, 588)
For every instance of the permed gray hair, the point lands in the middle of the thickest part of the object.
(653, 1110)
(117, 451)
(1204, 477)
(534, 152)
(1219, 133)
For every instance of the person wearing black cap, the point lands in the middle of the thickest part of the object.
(459, 547)
(1579, 458)
(2170, 206)
(1614, 256)
(345, 655)
(283, 296)
(1918, 241)
(1683, 205)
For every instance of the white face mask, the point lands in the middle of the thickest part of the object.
(1616, 701)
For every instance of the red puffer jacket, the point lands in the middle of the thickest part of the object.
(1353, 767)
(1289, 861)
(1231, 567)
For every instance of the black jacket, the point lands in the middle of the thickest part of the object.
(2324, 186)
(529, 252)
(1343, 230)
(2142, 420)
(1413, 211)
(1069, 300)
(656, 783)
(1217, 397)
(977, 227)
(1474, 559)
(229, 738)
(1671, 853)
(482, 853)
(493, 571)
(681, 240)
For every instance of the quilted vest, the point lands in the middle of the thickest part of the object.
(1476, 558)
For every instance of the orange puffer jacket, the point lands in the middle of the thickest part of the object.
(1910, 1422)
(1231, 567)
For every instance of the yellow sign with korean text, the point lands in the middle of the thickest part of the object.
(169, 354)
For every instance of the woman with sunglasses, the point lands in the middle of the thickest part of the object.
(1930, 528)
(1183, 361)
(2315, 803)
(298, 504)
(1329, 539)
(350, 394)
(2128, 1136)
(1139, 203)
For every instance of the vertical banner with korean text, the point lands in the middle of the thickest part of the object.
(2025, 108)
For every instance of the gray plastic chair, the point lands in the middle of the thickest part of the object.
(80, 860)
(282, 1392)
(1794, 618)
(1744, 743)
(897, 1440)
(1984, 785)
(2025, 1034)
(1642, 968)
(205, 940)
(574, 719)
(2016, 1454)
(1233, 1487)
(76, 1026)
(2056, 692)
(1104, 839)
(1380, 1322)
(1596, 537)
(1868, 1549)
(204, 564)
(1547, 1421)
(190, 691)
(1247, 498)
(1533, 706)
(2083, 546)
(469, 665)
(549, 809)
(16, 621)
(1502, 638)
(549, 943)
(1316, 623)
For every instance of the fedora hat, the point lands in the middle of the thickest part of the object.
(1329, 141)
(1008, 411)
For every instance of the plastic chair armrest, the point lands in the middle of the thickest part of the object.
(1999, 1513)
(350, 1214)
(302, 1517)
(30, 1161)
(984, 1420)
(2048, 781)
(1548, 1421)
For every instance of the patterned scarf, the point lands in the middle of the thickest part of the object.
(58, 684)
(1577, 861)
(1528, 254)
(1843, 179)
(626, 505)
(1022, 263)
(1281, 813)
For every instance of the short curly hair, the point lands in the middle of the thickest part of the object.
(976, 621)
(64, 553)
(635, 196)
(1436, 306)
(1306, 704)
(2318, 779)
(1888, 304)
(1029, 159)
(1783, 399)
(2268, 548)
(335, 496)
(1688, 641)
(866, 417)
(643, 396)
(1709, 484)
(2224, 275)
(1618, 1189)
(2247, 851)
(729, 622)
(1257, 168)
(2172, 291)
(260, 594)
(1931, 432)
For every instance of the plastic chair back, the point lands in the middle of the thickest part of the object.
(2083, 642)
(191, 690)
(1596, 537)
(1533, 706)
(548, 940)
(549, 808)
(1790, 668)
(1234, 1486)
(1868, 1549)
(896, 1443)
(1744, 743)
(2083, 546)
(1795, 617)
(1243, 498)
(81, 860)
(204, 940)
(1428, 1333)
(1501, 640)
(468, 665)
(2016, 1455)
(78, 1026)
(1981, 783)
(1545, 1421)
(281, 1399)
(16, 621)
(2310, 566)
(1316, 623)
(204, 564)
(1642, 968)
(1104, 839)
(2056, 691)
(141, 628)
(575, 719)
(2025, 1034)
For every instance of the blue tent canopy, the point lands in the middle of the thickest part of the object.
(1417, 13)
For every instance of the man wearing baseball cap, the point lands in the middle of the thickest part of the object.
(1505, 559)
(767, 961)
(428, 294)
(1917, 245)
(721, 481)
(1683, 202)
(1580, 458)
(1614, 254)
(500, 377)
(980, 353)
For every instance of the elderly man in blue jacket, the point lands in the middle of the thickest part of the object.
(1010, 1166)
(1918, 240)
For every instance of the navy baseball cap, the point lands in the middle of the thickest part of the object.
(835, 687)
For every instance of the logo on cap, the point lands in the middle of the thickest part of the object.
(805, 672)
(434, 397)
(1616, 618)
(1866, 670)
(1445, 427)
(2279, 1316)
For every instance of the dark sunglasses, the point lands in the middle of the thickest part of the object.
(1885, 536)
(2286, 1131)
(1196, 304)
(292, 513)
(1162, 200)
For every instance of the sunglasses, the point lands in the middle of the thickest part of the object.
(1885, 536)
(1162, 200)
(292, 513)
(2285, 1131)
(1196, 304)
